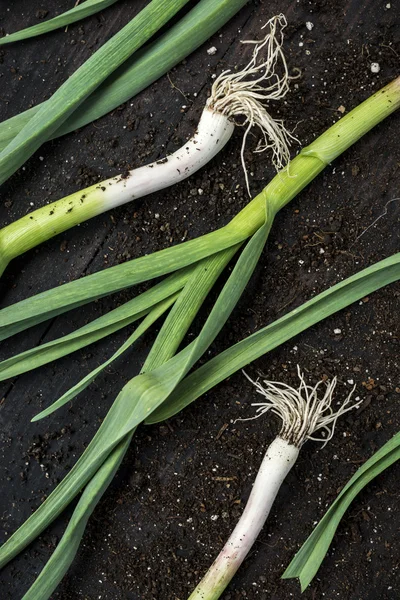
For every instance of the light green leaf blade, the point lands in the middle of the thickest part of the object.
(310, 556)
(59, 562)
(241, 354)
(139, 71)
(101, 327)
(84, 81)
(186, 307)
(153, 315)
(81, 11)
(45, 305)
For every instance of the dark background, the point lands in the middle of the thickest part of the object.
(154, 533)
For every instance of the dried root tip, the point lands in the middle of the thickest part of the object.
(245, 93)
(302, 412)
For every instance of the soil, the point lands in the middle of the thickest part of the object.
(183, 483)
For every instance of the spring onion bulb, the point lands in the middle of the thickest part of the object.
(303, 414)
(240, 94)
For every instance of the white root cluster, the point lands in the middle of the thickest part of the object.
(302, 411)
(246, 93)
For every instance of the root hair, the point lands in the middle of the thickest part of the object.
(301, 410)
(246, 92)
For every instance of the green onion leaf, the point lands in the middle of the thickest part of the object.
(241, 354)
(310, 556)
(153, 315)
(45, 305)
(81, 11)
(92, 332)
(62, 557)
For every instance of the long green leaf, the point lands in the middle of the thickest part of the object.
(84, 81)
(64, 554)
(95, 330)
(310, 556)
(137, 400)
(153, 315)
(47, 304)
(139, 71)
(179, 318)
(241, 354)
(89, 7)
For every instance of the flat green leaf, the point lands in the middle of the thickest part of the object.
(62, 557)
(58, 300)
(241, 354)
(95, 330)
(310, 556)
(139, 71)
(84, 81)
(89, 7)
(154, 314)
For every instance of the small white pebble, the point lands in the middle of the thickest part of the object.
(200, 191)
(211, 51)
(214, 517)
(337, 331)
(375, 67)
(309, 25)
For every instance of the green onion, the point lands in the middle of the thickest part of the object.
(84, 81)
(140, 70)
(81, 11)
(214, 371)
(302, 414)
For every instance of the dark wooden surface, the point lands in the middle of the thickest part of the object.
(170, 525)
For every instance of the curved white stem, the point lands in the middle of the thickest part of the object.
(277, 462)
(213, 132)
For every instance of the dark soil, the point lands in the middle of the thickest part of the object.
(184, 483)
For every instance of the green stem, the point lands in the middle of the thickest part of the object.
(315, 157)
(32, 229)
